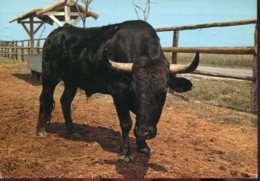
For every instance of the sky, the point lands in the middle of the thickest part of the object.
(163, 13)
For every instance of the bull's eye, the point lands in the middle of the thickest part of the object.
(152, 76)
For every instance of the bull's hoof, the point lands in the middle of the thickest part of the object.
(41, 132)
(126, 158)
(147, 151)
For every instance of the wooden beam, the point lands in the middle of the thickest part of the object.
(67, 14)
(56, 20)
(208, 25)
(26, 29)
(29, 22)
(37, 29)
(212, 50)
(254, 107)
(57, 13)
(206, 73)
(31, 35)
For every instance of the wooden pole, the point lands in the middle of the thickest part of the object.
(175, 43)
(16, 50)
(28, 45)
(212, 50)
(255, 84)
(206, 73)
(254, 102)
(67, 14)
(31, 35)
(209, 25)
(22, 51)
(12, 50)
(9, 50)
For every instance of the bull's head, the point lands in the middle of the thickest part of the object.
(149, 85)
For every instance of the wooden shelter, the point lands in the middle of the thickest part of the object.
(61, 12)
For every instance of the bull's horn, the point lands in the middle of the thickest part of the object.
(178, 69)
(121, 67)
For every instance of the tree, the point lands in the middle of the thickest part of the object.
(145, 11)
(86, 4)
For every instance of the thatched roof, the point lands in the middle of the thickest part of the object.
(57, 7)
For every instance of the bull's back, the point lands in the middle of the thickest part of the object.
(69, 50)
(133, 40)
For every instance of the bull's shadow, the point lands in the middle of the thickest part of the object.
(109, 140)
(27, 78)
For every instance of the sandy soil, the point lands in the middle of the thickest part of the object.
(187, 145)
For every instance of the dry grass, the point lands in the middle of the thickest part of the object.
(227, 93)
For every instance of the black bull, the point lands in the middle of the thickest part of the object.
(123, 60)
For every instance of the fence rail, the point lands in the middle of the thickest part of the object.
(213, 50)
(208, 25)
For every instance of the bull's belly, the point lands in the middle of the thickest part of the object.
(92, 88)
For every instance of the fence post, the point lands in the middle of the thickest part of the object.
(4, 51)
(29, 45)
(254, 87)
(1, 49)
(175, 42)
(11, 49)
(22, 50)
(8, 49)
(16, 50)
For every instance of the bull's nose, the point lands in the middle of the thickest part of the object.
(146, 132)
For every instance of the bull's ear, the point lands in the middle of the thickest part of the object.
(179, 84)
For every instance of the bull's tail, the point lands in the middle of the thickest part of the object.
(46, 106)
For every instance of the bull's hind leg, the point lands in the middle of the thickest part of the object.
(46, 106)
(66, 99)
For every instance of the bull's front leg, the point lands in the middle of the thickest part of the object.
(142, 146)
(126, 125)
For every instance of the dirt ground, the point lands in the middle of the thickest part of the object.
(188, 144)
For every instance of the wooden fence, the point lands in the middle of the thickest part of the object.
(218, 50)
(19, 49)
(213, 50)
(209, 50)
